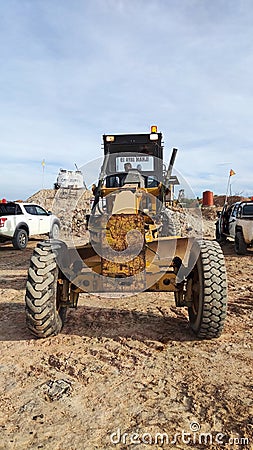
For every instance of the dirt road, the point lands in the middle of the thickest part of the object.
(125, 373)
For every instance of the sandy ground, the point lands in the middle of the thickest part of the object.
(125, 373)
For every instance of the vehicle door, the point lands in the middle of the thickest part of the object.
(232, 221)
(32, 219)
(44, 220)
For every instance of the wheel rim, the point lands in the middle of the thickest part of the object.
(59, 293)
(55, 232)
(59, 289)
(22, 239)
(195, 293)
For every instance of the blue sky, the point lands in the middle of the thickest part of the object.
(73, 70)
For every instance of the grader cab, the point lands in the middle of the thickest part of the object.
(135, 245)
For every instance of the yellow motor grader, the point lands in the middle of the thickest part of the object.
(135, 245)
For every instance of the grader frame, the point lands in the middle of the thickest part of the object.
(134, 246)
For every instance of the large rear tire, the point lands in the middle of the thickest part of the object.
(45, 315)
(207, 312)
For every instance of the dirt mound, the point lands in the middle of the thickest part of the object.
(219, 200)
(48, 198)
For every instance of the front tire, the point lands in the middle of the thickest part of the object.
(45, 315)
(207, 312)
(20, 239)
(240, 245)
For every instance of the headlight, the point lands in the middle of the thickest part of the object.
(109, 138)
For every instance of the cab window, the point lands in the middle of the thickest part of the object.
(151, 182)
(30, 209)
(234, 211)
(35, 210)
(40, 211)
(248, 210)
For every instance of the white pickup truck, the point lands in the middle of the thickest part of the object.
(236, 222)
(19, 221)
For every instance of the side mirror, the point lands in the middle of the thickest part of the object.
(49, 213)
(218, 214)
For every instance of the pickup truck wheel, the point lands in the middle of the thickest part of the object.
(220, 237)
(44, 314)
(207, 312)
(55, 231)
(240, 245)
(20, 239)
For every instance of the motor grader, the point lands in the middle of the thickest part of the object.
(134, 246)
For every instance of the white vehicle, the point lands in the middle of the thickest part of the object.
(236, 221)
(19, 221)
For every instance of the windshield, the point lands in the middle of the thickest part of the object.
(141, 163)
